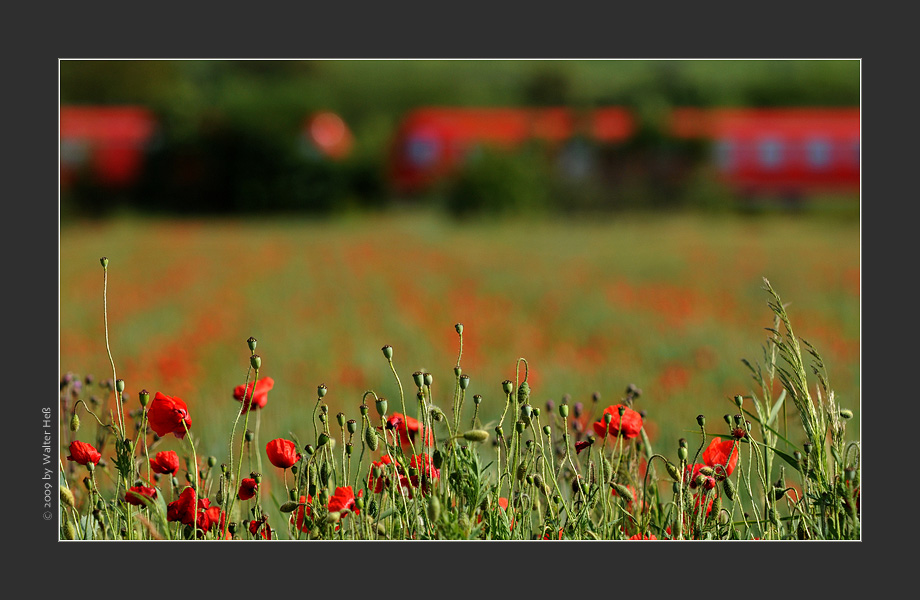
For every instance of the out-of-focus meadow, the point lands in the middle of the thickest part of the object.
(668, 300)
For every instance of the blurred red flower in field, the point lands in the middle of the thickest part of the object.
(248, 489)
(259, 396)
(133, 495)
(718, 454)
(648, 536)
(378, 483)
(282, 453)
(167, 415)
(630, 423)
(579, 446)
(83, 453)
(408, 429)
(427, 472)
(165, 463)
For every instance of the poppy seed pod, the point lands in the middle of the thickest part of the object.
(119, 385)
(352, 426)
(477, 399)
(739, 400)
(526, 413)
(464, 382)
(340, 419)
(457, 371)
(429, 379)
(419, 379)
(321, 390)
(256, 361)
(682, 453)
(381, 404)
(322, 440)
(249, 435)
(251, 342)
(564, 411)
(547, 431)
(363, 410)
(459, 328)
(701, 420)
(728, 419)
(388, 352)
(323, 418)
(520, 426)
(508, 386)
(104, 262)
(144, 397)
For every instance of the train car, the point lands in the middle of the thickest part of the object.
(106, 143)
(783, 151)
(431, 143)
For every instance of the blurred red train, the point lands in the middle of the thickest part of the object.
(784, 150)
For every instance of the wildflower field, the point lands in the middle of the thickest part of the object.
(408, 377)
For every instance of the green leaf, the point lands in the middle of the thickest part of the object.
(776, 406)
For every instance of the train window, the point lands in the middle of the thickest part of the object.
(770, 152)
(818, 152)
(422, 151)
(725, 155)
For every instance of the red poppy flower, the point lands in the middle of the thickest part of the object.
(261, 527)
(165, 463)
(408, 429)
(182, 509)
(425, 466)
(83, 453)
(282, 453)
(630, 423)
(718, 454)
(167, 414)
(298, 517)
(248, 489)
(579, 446)
(546, 536)
(648, 536)
(378, 483)
(134, 495)
(259, 396)
(344, 499)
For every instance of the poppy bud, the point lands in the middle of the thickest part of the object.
(547, 431)
(508, 386)
(70, 533)
(429, 379)
(673, 471)
(523, 393)
(352, 426)
(370, 436)
(608, 417)
(707, 471)
(381, 404)
(521, 471)
(256, 361)
(324, 474)
(701, 420)
(846, 413)
(67, 497)
(292, 494)
(434, 508)
(476, 435)
(622, 491)
(464, 381)
(388, 352)
(739, 400)
(729, 488)
(340, 419)
(564, 411)
(322, 440)
(728, 419)
(212, 460)
(74, 422)
(104, 262)
(288, 506)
